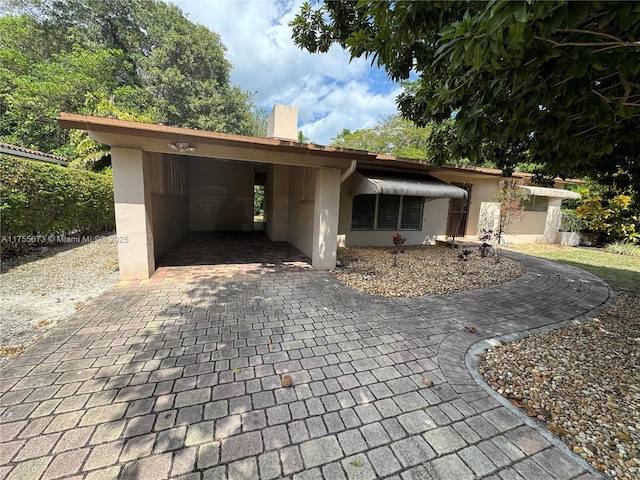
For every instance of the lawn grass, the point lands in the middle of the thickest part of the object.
(622, 272)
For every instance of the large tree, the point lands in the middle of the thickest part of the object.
(143, 57)
(392, 135)
(559, 81)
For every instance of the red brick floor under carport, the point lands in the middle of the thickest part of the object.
(212, 256)
(181, 378)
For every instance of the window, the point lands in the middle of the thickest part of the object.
(386, 212)
(535, 204)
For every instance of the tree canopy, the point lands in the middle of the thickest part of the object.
(136, 59)
(392, 135)
(555, 82)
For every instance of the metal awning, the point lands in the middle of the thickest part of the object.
(416, 185)
(550, 192)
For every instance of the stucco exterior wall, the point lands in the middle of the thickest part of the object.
(277, 202)
(537, 226)
(170, 201)
(301, 208)
(220, 195)
(483, 190)
(434, 223)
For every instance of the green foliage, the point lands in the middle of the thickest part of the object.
(571, 222)
(556, 84)
(89, 154)
(610, 218)
(258, 200)
(44, 199)
(624, 248)
(50, 86)
(392, 135)
(302, 138)
(141, 60)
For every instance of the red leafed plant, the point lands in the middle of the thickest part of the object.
(398, 241)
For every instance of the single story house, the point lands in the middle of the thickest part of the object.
(169, 181)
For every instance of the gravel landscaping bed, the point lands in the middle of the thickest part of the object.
(584, 382)
(420, 270)
(40, 290)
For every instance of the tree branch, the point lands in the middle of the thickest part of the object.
(589, 44)
(593, 32)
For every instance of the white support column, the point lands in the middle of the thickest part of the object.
(277, 193)
(325, 218)
(552, 224)
(132, 198)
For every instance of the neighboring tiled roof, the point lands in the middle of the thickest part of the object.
(22, 152)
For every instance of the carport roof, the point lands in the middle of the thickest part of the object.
(123, 133)
(155, 138)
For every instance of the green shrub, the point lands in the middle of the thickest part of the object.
(624, 248)
(610, 215)
(44, 200)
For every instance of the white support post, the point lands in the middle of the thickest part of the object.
(552, 224)
(325, 222)
(132, 198)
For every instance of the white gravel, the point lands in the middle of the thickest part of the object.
(583, 382)
(421, 270)
(40, 290)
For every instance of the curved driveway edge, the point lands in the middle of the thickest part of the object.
(182, 379)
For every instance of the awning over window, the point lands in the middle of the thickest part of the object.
(416, 185)
(550, 192)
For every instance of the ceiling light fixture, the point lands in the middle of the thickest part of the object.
(182, 147)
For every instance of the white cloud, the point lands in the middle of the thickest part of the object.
(330, 92)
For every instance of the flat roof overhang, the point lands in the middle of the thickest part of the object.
(156, 138)
(152, 137)
(550, 192)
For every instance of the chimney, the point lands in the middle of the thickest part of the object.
(283, 123)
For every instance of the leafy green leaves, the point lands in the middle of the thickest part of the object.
(144, 57)
(390, 136)
(551, 83)
(44, 199)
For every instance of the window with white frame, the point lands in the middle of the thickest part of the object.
(386, 212)
(534, 203)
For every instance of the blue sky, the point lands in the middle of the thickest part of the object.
(330, 92)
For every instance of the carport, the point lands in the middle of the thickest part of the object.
(170, 181)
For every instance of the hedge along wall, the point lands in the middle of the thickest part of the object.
(44, 199)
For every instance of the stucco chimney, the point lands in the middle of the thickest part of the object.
(283, 123)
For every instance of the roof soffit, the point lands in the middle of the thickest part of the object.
(155, 138)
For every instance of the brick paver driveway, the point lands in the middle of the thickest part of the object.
(182, 379)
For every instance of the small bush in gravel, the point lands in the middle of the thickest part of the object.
(463, 258)
(486, 237)
(398, 241)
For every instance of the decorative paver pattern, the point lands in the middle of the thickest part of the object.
(181, 378)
